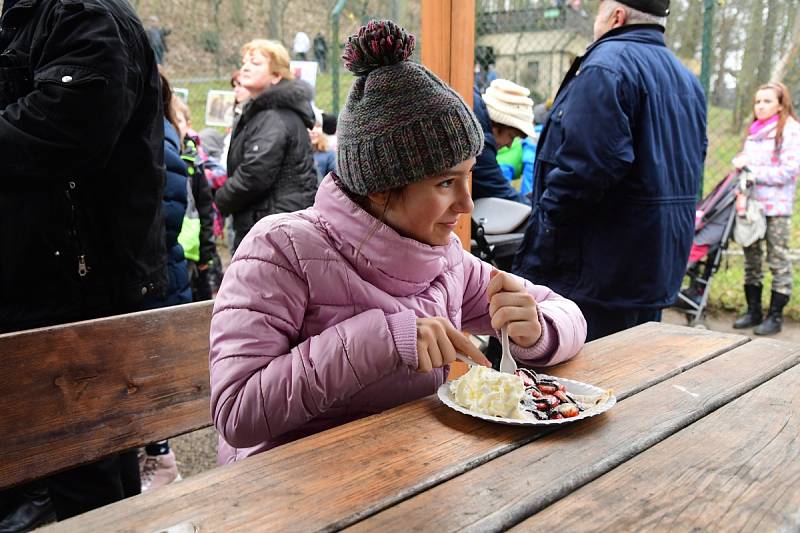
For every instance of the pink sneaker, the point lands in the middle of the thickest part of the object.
(158, 470)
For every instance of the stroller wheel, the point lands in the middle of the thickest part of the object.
(700, 325)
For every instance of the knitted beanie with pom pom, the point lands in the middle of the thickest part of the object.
(401, 123)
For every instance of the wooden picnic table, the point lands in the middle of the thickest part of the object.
(705, 437)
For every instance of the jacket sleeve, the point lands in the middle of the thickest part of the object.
(563, 325)
(203, 200)
(597, 147)
(788, 166)
(264, 151)
(264, 381)
(80, 100)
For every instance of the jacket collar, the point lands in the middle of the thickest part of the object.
(287, 94)
(381, 256)
(636, 33)
(17, 6)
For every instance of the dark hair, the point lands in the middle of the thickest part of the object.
(787, 110)
(166, 101)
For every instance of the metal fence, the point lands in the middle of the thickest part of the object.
(732, 46)
(740, 43)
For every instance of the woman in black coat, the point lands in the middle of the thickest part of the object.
(270, 161)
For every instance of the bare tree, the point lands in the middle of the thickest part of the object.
(746, 79)
(790, 48)
(726, 24)
(767, 51)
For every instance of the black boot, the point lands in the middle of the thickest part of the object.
(774, 321)
(753, 315)
(32, 510)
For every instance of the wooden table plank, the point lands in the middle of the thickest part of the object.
(337, 477)
(737, 469)
(497, 495)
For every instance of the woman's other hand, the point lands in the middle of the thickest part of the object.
(510, 304)
(740, 161)
(438, 342)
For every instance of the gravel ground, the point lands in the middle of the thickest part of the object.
(196, 451)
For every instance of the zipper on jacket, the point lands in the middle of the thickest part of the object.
(83, 268)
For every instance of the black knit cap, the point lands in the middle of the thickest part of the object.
(401, 123)
(659, 8)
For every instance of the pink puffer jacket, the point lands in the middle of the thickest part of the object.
(315, 322)
(776, 177)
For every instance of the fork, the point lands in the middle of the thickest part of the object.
(465, 359)
(507, 363)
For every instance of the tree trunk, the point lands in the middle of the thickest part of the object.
(746, 81)
(724, 44)
(273, 20)
(688, 30)
(782, 66)
(767, 52)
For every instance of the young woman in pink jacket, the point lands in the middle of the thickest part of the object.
(772, 154)
(355, 305)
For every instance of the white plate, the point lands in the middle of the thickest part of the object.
(573, 387)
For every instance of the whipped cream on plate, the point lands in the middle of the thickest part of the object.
(487, 391)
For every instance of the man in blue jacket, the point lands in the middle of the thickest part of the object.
(618, 168)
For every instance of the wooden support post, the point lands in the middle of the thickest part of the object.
(448, 45)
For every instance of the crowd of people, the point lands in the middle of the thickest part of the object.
(348, 292)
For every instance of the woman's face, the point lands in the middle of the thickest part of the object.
(240, 93)
(428, 210)
(183, 124)
(766, 104)
(314, 133)
(256, 75)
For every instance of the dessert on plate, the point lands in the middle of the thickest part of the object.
(524, 395)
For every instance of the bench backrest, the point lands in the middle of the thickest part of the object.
(75, 393)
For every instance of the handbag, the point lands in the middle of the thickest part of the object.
(751, 222)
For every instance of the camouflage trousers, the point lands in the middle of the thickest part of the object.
(777, 237)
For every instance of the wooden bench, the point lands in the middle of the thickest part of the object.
(75, 393)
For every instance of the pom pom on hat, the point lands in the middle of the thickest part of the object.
(378, 44)
(508, 104)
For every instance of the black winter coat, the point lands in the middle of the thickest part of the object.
(81, 146)
(270, 161)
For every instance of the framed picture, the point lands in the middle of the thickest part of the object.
(181, 93)
(305, 70)
(219, 108)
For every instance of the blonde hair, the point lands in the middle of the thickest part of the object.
(321, 144)
(275, 52)
(180, 107)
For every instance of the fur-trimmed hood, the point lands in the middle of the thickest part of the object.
(295, 95)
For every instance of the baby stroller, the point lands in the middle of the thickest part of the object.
(714, 219)
(498, 227)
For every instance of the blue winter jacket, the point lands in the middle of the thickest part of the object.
(617, 173)
(179, 290)
(488, 180)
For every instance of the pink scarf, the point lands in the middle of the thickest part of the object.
(759, 125)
